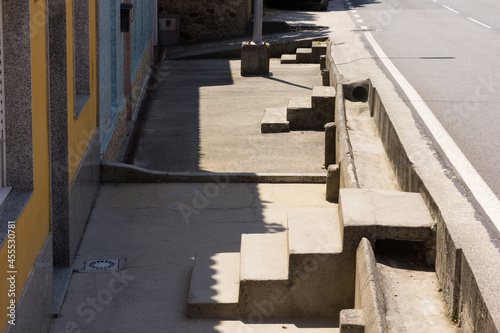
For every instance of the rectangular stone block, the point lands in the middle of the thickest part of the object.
(318, 49)
(323, 103)
(333, 183)
(255, 59)
(305, 56)
(274, 121)
(352, 321)
(330, 146)
(288, 59)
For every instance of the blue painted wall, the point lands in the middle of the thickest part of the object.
(111, 74)
(111, 58)
(142, 28)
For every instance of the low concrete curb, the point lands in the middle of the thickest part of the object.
(114, 172)
(344, 154)
(369, 295)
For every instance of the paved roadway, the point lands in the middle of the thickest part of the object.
(449, 51)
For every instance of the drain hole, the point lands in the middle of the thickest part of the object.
(359, 94)
(406, 254)
(101, 265)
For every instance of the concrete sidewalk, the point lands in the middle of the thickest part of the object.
(204, 116)
(157, 230)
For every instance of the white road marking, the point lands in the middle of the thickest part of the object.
(478, 187)
(364, 27)
(351, 7)
(356, 15)
(484, 25)
(360, 21)
(453, 10)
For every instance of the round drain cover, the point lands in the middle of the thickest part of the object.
(102, 264)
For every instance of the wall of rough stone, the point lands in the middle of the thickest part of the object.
(208, 19)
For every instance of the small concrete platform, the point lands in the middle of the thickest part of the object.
(299, 113)
(274, 121)
(305, 55)
(312, 231)
(381, 214)
(289, 59)
(264, 257)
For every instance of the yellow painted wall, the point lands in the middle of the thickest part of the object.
(81, 130)
(33, 225)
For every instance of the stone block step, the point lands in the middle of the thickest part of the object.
(305, 56)
(264, 257)
(299, 113)
(215, 285)
(318, 49)
(381, 214)
(323, 103)
(314, 231)
(288, 59)
(274, 121)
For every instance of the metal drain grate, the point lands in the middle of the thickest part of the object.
(101, 265)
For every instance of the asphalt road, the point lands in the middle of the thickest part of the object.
(449, 51)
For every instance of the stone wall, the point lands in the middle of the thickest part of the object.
(208, 19)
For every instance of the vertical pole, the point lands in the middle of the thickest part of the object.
(257, 21)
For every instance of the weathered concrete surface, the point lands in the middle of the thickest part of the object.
(205, 116)
(159, 229)
(352, 321)
(323, 103)
(274, 121)
(413, 298)
(372, 164)
(369, 295)
(255, 59)
(466, 241)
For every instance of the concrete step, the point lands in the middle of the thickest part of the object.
(305, 56)
(323, 103)
(264, 257)
(215, 286)
(381, 214)
(314, 231)
(299, 113)
(274, 121)
(288, 59)
(318, 49)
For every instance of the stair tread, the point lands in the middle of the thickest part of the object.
(274, 121)
(314, 230)
(324, 91)
(275, 115)
(215, 279)
(306, 50)
(264, 257)
(300, 102)
(384, 208)
(288, 58)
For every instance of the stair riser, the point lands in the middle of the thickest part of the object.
(219, 311)
(305, 119)
(320, 286)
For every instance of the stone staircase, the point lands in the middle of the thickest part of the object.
(282, 274)
(302, 113)
(307, 55)
(307, 270)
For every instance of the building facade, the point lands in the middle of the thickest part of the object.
(70, 82)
